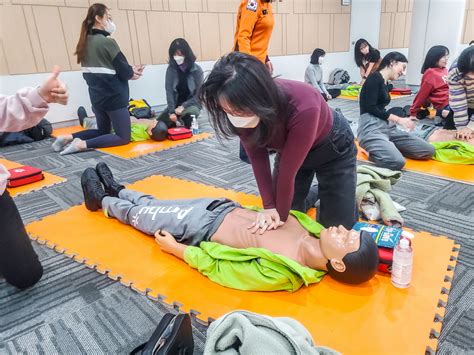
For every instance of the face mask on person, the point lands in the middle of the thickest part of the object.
(110, 27)
(244, 122)
(179, 59)
(321, 60)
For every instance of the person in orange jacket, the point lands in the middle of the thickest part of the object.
(254, 29)
(252, 36)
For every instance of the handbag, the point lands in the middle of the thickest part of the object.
(173, 335)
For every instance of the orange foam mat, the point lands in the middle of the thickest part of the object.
(49, 180)
(457, 172)
(136, 149)
(66, 130)
(372, 318)
(356, 98)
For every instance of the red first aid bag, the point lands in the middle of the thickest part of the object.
(178, 133)
(24, 175)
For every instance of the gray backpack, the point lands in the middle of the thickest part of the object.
(338, 76)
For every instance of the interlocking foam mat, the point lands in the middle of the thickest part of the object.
(136, 149)
(457, 172)
(49, 180)
(372, 318)
(356, 98)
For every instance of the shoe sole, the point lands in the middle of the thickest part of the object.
(90, 205)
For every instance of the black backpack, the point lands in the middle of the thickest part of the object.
(42, 130)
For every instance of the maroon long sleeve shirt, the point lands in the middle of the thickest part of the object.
(309, 121)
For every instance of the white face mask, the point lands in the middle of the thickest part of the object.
(321, 60)
(179, 59)
(244, 122)
(110, 27)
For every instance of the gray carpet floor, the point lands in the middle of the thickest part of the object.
(75, 310)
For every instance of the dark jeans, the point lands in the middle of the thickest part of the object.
(333, 161)
(19, 264)
(102, 137)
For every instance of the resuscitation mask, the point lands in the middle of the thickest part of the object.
(244, 122)
(179, 59)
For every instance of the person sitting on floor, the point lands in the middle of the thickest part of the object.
(220, 239)
(434, 88)
(314, 73)
(377, 133)
(141, 129)
(183, 81)
(461, 93)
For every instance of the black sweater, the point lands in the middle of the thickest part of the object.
(375, 96)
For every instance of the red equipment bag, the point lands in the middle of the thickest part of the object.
(401, 91)
(178, 133)
(24, 175)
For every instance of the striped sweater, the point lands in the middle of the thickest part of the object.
(106, 72)
(461, 97)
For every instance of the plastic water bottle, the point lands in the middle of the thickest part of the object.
(402, 265)
(194, 125)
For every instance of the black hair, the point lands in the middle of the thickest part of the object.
(391, 58)
(246, 85)
(466, 60)
(318, 52)
(159, 132)
(433, 56)
(373, 56)
(180, 44)
(471, 43)
(361, 265)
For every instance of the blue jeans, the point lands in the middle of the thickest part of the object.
(102, 137)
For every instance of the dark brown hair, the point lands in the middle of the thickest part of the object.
(87, 24)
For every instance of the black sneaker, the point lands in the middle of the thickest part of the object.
(92, 189)
(81, 114)
(112, 187)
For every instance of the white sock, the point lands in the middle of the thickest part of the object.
(59, 144)
(72, 148)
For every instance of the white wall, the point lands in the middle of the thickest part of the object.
(365, 23)
(434, 22)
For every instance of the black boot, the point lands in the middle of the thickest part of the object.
(92, 189)
(81, 114)
(112, 187)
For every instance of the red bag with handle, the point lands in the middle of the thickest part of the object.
(24, 175)
(178, 133)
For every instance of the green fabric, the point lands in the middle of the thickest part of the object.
(378, 182)
(250, 269)
(139, 132)
(254, 269)
(101, 51)
(454, 152)
(351, 90)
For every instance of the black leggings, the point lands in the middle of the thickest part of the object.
(19, 264)
(102, 137)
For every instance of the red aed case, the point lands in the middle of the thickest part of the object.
(24, 175)
(178, 133)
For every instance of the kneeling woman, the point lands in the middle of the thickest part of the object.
(211, 235)
(292, 118)
(378, 133)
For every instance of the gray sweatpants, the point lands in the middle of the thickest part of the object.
(387, 145)
(190, 221)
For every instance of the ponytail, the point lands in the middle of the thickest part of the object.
(86, 27)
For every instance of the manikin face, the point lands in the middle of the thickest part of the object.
(398, 69)
(336, 243)
(364, 48)
(443, 62)
(240, 119)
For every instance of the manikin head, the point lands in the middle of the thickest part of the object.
(352, 256)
